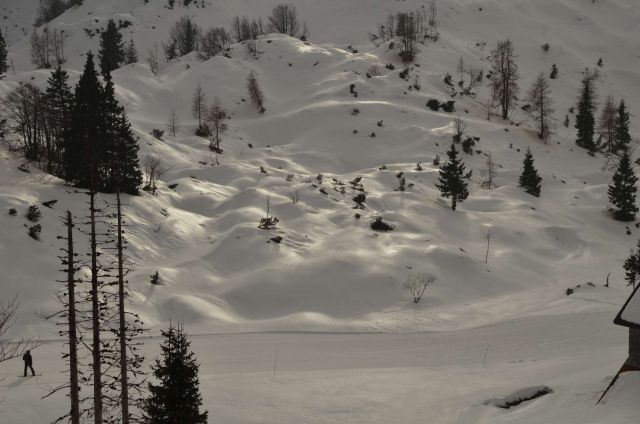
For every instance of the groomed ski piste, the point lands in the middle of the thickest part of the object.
(319, 328)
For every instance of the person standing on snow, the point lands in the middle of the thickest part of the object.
(28, 363)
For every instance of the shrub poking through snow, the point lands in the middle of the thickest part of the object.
(33, 214)
(516, 398)
(157, 133)
(379, 225)
(13, 211)
(417, 284)
(34, 231)
(155, 279)
(268, 222)
(359, 200)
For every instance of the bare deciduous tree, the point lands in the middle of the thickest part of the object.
(284, 19)
(152, 60)
(505, 76)
(214, 41)
(541, 103)
(607, 124)
(10, 349)
(460, 126)
(216, 118)
(153, 171)
(417, 284)
(173, 124)
(489, 173)
(199, 108)
(40, 48)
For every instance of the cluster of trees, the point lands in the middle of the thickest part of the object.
(187, 36)
(82, 136)
(110, 363)
(613, 126)
(47, 48)
(46, 45)
(453, 177)
(411, 28)
(211, 119)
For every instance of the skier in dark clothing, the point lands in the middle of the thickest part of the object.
(28, 363)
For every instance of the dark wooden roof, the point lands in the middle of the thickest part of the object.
(631, 306)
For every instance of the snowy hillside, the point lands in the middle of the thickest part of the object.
(332, 272)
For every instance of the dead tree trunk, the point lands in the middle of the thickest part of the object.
(124, 380)
(74, 388)
(95, 317)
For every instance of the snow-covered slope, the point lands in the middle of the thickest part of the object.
(331, 271)
(17, 18)
(222, 274)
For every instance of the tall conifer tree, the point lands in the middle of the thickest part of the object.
(60, 103)
(622, 123)
(585, 121)
(112, 52)
(84, 148)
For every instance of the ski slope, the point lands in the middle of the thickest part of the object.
(332, 273)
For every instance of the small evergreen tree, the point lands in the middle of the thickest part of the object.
(176, 398)
(529, 180)
(112, 52)
(3, 55)
(622, 191)
(622, 123)
(554, 72)
(585, 121)
(632, 267)
(131, 53)
(451, 182)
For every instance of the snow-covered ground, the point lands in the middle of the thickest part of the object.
(442, 377)
(332, 273)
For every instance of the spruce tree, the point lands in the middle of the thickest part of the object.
(3, 55)
(84, 149)
(131, 53)
(176, 399)
(585, 121)
(112, 52)
(622, 123)
(452, 178)
(622, 191)
(60, 103)
(122, 166)
(529, 180)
